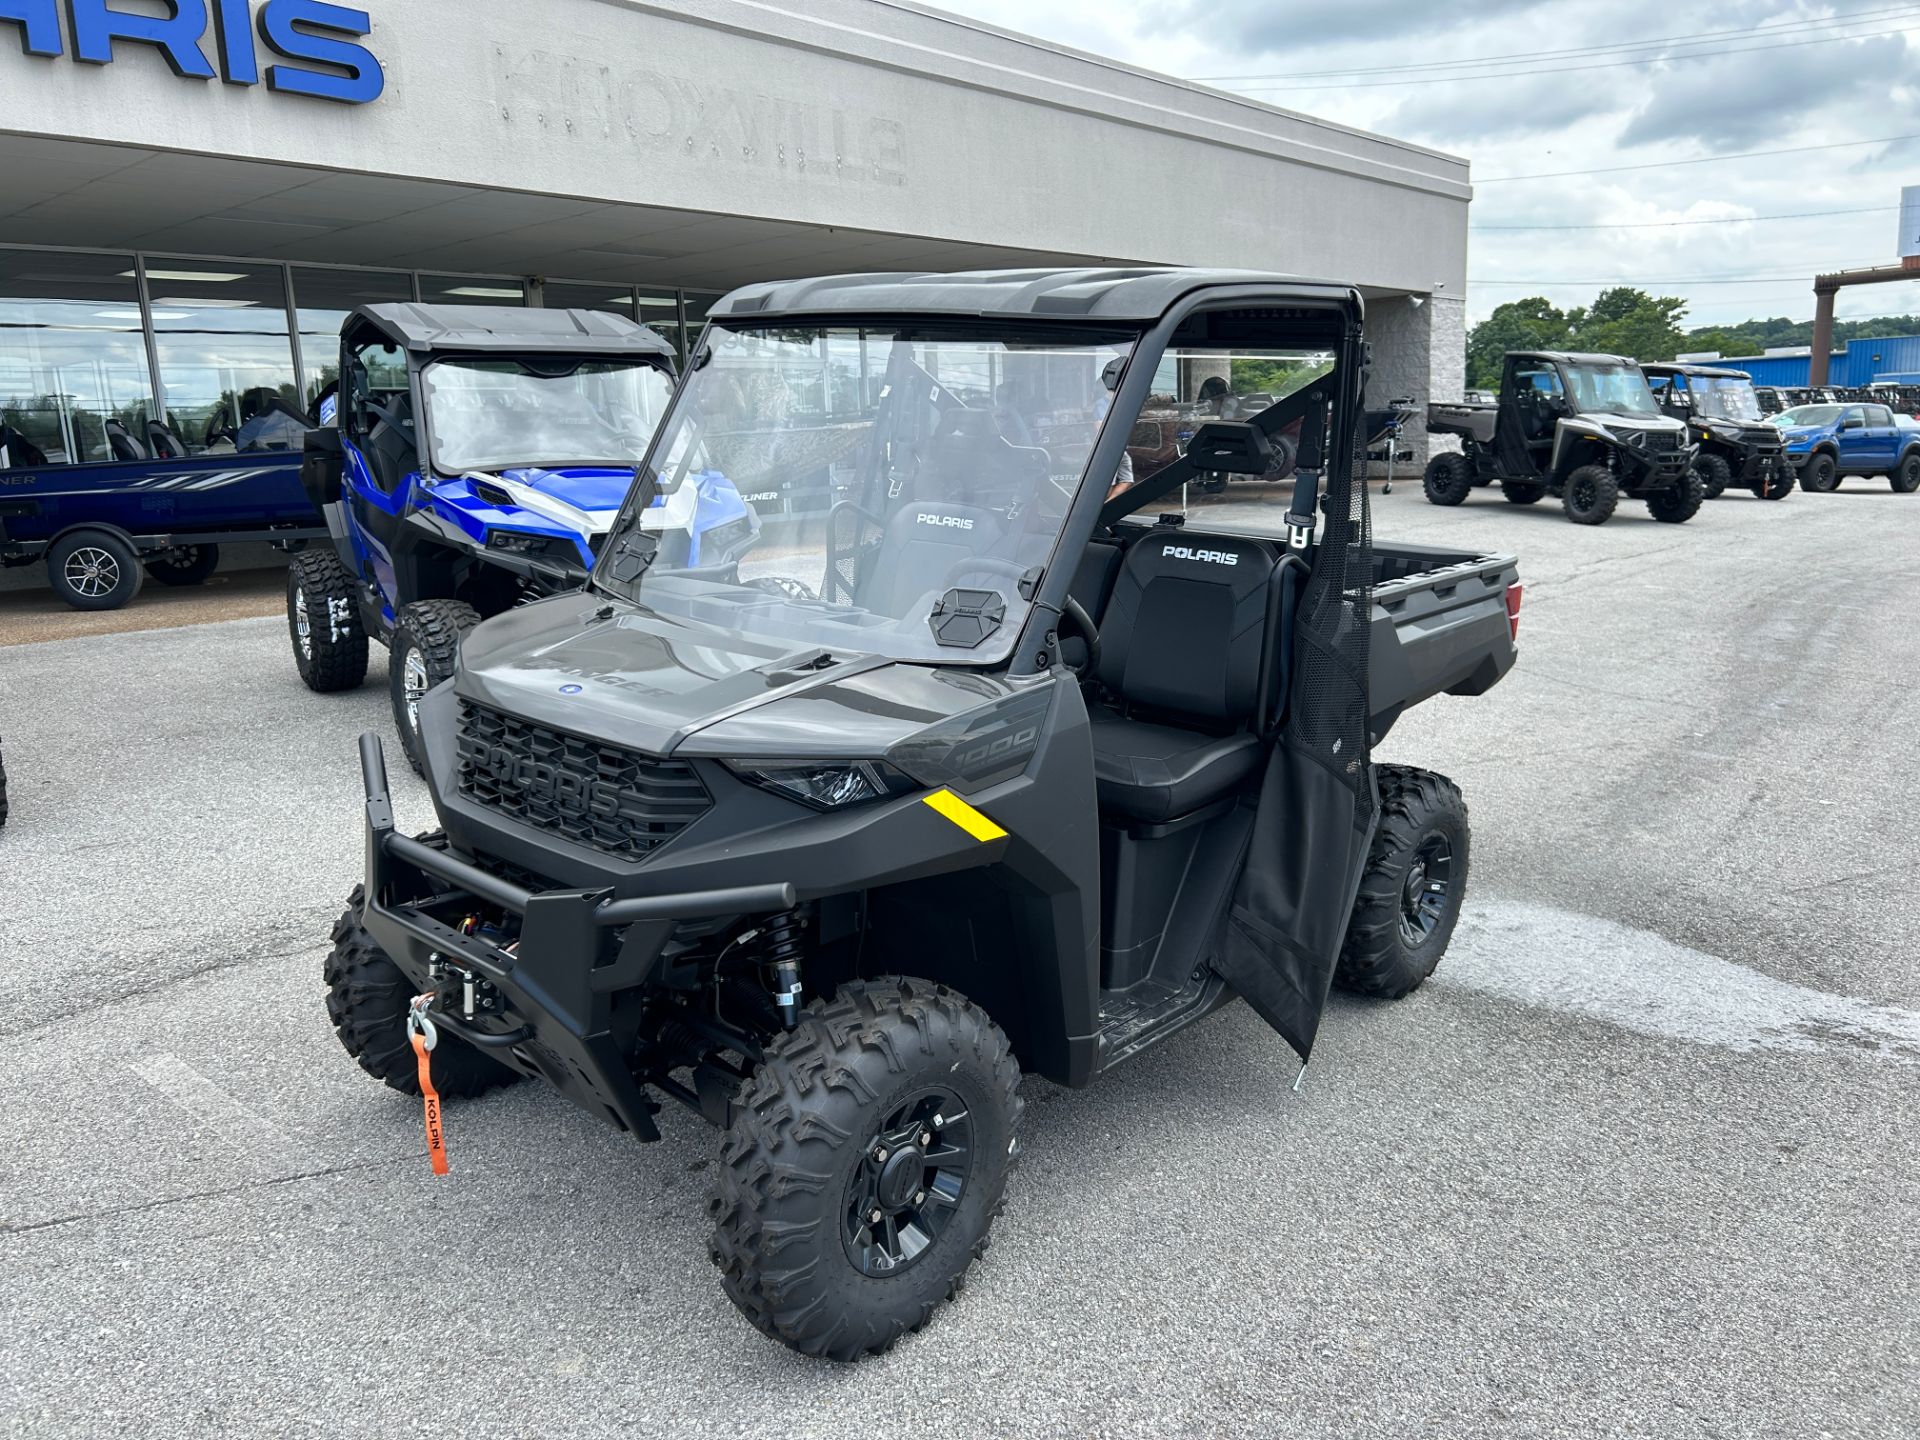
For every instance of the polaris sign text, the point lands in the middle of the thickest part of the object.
(315, 41)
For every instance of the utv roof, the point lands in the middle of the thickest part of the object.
(1710, 372)
(513, 329)
(1576, 357)
(1132, 295)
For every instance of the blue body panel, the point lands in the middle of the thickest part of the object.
(235, 491)
(598, 492)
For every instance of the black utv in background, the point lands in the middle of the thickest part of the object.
(986, 771)
(1733, 443)
(1584, 428)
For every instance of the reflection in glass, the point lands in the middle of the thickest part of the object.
(471, 290)
(226, 356)
(323, 300)
(74, 385)
(573, 295)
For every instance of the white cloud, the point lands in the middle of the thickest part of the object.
(1783, 92)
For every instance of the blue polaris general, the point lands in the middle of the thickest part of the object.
(1826, 442)
(477, 457)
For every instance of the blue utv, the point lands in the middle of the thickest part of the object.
(473, 459)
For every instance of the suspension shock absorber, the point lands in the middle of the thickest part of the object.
(782, 941)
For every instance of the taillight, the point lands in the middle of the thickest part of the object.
(1515, 593)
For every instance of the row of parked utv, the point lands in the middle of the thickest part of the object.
(1590, 429)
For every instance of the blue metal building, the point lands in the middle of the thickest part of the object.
(1895, 357)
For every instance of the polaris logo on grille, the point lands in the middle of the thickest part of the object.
(1211, 557)
(944, 522)
(567, 792)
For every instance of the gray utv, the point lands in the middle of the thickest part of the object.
(1584, 428)
(996, 766)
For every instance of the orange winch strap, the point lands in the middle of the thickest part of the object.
(436, 1138)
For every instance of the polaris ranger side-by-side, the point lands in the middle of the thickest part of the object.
(1733, 443)
(1584, 428)
(479, 455)
(986, 771)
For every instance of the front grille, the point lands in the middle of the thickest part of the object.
(614, 800)
(1662, 440)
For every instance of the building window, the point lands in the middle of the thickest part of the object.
(576, 295)
(323, 299)
(661, 313)
(694, 312)
(74, 385)
(472, 290)
(226, 354)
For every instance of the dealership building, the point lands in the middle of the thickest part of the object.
(193, 193)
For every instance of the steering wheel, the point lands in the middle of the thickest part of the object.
(1075, 614)
(220, 426)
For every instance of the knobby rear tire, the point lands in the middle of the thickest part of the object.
(1379, 957)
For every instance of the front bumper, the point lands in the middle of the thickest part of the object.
(556, 981)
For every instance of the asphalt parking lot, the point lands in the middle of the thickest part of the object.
(1640, 1161)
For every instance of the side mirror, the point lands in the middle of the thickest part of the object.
(323, 467)
(1853, 423)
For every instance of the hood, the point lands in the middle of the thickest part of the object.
(627, 676)
(590, 489)
(1632, 420)
(578, 662)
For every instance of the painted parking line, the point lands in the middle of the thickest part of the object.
(232, 1121)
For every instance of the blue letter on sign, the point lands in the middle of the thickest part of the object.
(39, 24)
(233, 38)
(96, 27)
(280, 26)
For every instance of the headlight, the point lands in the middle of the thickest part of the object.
(518, 542)
(828, 784)
(1637, 439)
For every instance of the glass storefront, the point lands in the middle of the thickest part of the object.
(225, 351)
(128, 357)
(74, 382)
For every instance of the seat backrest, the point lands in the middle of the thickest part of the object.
(1093, 577)
(123, 445)
(166, 445)
(924, 543)
(391, 448)
(1185, 632)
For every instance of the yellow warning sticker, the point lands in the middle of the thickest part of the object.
(965, 816)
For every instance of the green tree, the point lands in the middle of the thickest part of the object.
(1530, 324)
(1625, 321)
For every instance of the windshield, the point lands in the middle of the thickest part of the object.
(1603, 389)
(504, 414)
(901, 489)
(1808, 415)
(1724, 398)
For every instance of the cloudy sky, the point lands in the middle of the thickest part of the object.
(1593, 84)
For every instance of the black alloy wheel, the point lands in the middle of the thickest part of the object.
(1429, 882)
(903, 1194)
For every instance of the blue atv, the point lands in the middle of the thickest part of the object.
(472, 460)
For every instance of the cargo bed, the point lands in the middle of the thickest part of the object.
(1444, 622)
